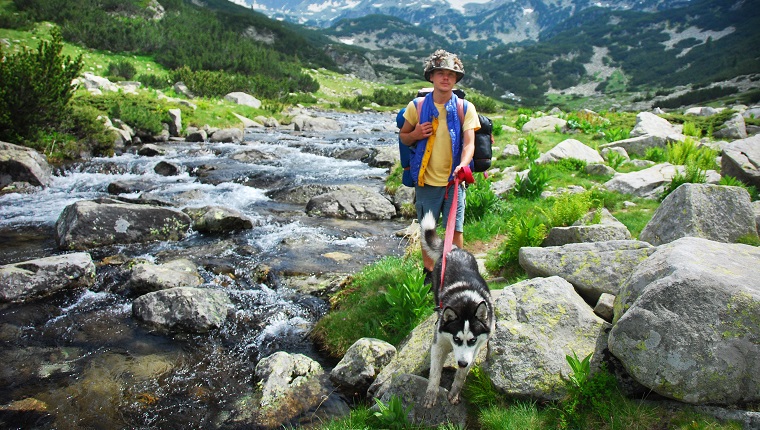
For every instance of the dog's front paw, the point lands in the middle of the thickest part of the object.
(454, 398)
(430, 398)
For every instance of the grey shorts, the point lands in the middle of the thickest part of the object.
(433, 199)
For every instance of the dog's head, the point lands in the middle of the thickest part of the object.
(467, 328)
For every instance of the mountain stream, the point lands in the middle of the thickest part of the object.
(94, 366)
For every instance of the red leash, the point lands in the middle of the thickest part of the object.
(464, 175)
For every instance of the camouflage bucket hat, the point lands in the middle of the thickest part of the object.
(442, 59)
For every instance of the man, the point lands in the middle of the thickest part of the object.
(443, 143)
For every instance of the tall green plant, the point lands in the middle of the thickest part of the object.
(392, 415)
(409, 302)
(533, 184)
(35, 89)
(521, 231)
(688, 152)
(480, 199)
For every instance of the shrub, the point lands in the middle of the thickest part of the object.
(484, 104)
(122, 69)
(154, 81)
(140, 113)
(570, 165)
(35, 90)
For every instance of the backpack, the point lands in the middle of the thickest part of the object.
(483, 140)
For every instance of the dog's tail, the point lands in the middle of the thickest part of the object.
(431, 243)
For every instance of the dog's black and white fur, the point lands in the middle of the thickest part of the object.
(465, 312)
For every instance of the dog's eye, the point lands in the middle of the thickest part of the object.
(457, 340)
(471, 342)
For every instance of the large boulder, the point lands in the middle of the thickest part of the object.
(648, 123)
(571, 148)
(310, 123)
(21, 164)
(352, 202)
(361, 364)
(218, 219)
(579, 264)
(650, 131)
(288, 386)
(608, 228)
(734, 128)
(544, 123)
(410, 389)
(648, 183)
(227, 135)
(182, 309)
(539, 322)
(714, 212)
(245, 99)
(687, 322)
(45, 276)
(146, 277)
(741, 159)
(92, 223)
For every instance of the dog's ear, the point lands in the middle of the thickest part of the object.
(449, 315)
(481, 313)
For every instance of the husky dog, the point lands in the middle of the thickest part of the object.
(465, 312)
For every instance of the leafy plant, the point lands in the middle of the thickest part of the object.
(528, 147)
(615, 134)
(687, 152)
(691, 129)
(568, 208)
(480, 199)
(409, 301)
(533, 184)
(655, 154)
(392, 415)
(693, 175)
(615, 159)
(521, 231)
(587, 395)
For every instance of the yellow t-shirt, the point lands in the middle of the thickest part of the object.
(439, 167)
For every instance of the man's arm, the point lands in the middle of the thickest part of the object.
(468, 150)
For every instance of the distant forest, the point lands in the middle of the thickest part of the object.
(199, 39)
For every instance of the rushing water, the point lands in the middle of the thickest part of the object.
(81, 360)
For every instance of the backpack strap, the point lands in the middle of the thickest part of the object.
(461, 109)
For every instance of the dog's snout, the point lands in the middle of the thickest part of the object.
(462, 363)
